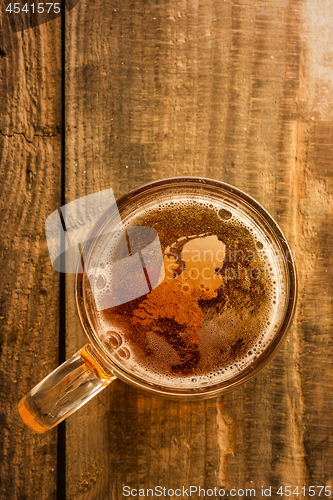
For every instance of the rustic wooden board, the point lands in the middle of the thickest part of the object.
(30, 156)
(241, 92)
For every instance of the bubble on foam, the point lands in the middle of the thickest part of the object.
(114, 339)
(123, 353)
(224, 214)
(100, 281)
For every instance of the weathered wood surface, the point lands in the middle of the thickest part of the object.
(30, 159)
(239, 91)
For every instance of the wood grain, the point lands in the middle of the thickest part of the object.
(218, 89)
(240, 92)
(234, 90)
(30, 145)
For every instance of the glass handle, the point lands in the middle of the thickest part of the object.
(65, 390)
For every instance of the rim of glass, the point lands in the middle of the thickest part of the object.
(263, 359)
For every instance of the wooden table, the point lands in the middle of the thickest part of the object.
(236, 90)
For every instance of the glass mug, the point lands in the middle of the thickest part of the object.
(207, 293)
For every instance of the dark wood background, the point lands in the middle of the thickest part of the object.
(236, 90)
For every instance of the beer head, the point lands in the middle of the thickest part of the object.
(219, 297)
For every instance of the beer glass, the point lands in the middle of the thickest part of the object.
(206, 294)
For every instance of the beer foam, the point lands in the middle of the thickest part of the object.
(158, 348)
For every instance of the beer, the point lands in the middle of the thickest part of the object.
(186, 288)
(216, 308)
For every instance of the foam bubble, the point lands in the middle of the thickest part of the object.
(123, 353)
(224, 214)
(101, 282)
(114, 339)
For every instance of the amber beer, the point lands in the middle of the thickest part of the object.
(218, 305)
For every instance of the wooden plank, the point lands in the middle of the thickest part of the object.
(226, 90)
(30, 147)
(315, 249)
